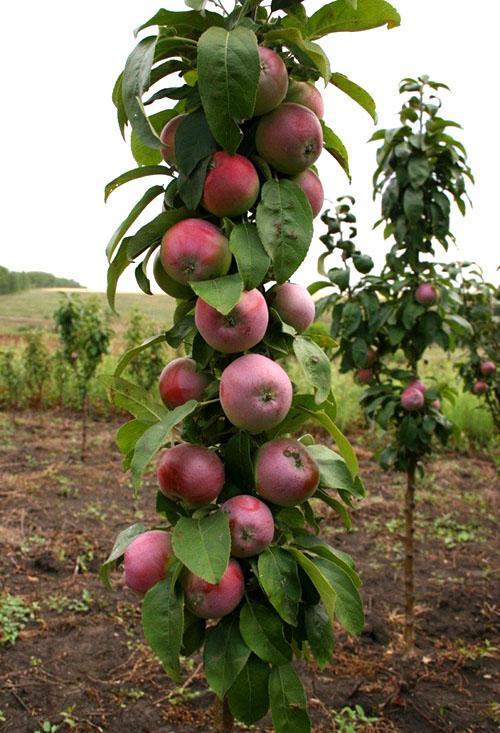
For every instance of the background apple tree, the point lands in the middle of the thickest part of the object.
(233, 153)
(385, 322)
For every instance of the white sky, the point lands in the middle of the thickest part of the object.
(61, 143)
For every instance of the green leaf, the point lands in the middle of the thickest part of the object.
(186, 23)
(248, 698)
(319, 580)
(132, 175)
(279, 579)
(128, 434)
(238, 461)
(155, 437)
(337, 506)
(459, 324)
(340, 16)
(134, 399)
(135, 80)
(284, 223)
(355, 92)
(228, 74)
(122, 541)
(317, 546)
(262, 631)
(144, 155)
(163, 624)
(123, 228)
(225, 654)
(413, 204)
(334, 473)
(253, 260)
(288, 701)
(115, 270)
(203, 545)
(419, 170)
(222, 293)
(334, 145)
(349, 607)
(193, 142)
(319, 633)
(130, 355)
(315, 365)
(306, 52)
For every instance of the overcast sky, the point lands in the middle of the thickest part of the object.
(61, 143)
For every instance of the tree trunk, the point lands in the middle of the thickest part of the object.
(84, 426)
(409, 623)
(223, 719)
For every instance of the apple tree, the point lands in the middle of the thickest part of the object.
(235, 565)
(385, 322)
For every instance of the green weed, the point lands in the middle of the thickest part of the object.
(14, 615)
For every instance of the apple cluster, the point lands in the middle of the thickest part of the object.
(254, 391)
(487, 369)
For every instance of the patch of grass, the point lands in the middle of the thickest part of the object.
(352, 720)
(472, 652)
(75, 605)
(472, 421)
(454, 533)
(14, 615)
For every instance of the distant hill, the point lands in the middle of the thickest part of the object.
(13, 282)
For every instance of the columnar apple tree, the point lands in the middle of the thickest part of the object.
(235, 565)
(411, 304)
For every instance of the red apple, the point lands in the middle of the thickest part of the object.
(167, 136)
(289, 138)
(418, 385)
(190, 473)
(167, 284)
(273, 81)
(302, 92)
(480, 387)
(181, 381)
(487, 368)
(285, 472)
(251, 523)
(208, 600)
(412, 399)
(313, 189)
(294, 305)
(231, 186)
(145, 560)
(426, 294)
(436, 404)
(255, 393)
(194, 249)
(364, 376)
(241, 329)
(371, 355)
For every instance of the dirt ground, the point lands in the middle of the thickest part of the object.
(80, 661)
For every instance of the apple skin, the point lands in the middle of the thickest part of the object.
(190, 473)
(436, 404)
(145, 560)
(167, 136)
(241, 329)
(273, 81)
(290, 138)
(426, 294)
(487, 368)
(255, 393)
(231, 186)
(181, 381)
(363, 376)
(480, 387)
(371, 355)
(207, 600)
(251, 524)
(418, 385)
(285, 472)
(313, 189)
(305, 93)
(167, 284)
(294, 305)
(194, 249)
(412, 399)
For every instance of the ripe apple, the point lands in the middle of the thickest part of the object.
(194, 249)
(273, 81)
(290, 138)
(145, 560)
(305, 93)
(285, 472)
(294, 305)
(231, 186)
(364, 376)
(418, 385)
(313, 189)
(167, 284)
(436, 404)
(412, 399)
(426, 294)
(167, 136)
(208, 600)
(251, 524)
(480, 387)
(181, 381)
(255, 393)
(487, 368)
(190, 473)
(241, 329)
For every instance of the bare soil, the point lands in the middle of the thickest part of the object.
(83, 653)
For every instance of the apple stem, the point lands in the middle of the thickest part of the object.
(223, 718)
(409, 624)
